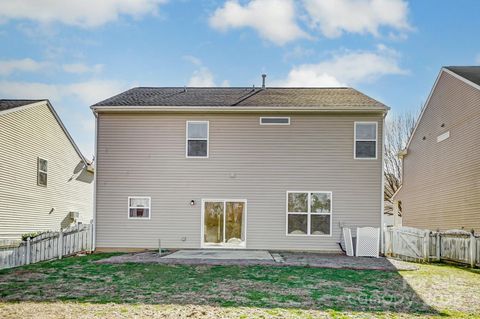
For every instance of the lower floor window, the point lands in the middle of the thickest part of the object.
(309, 213)
(139, 207)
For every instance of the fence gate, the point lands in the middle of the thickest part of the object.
(407, 243)
(424, 245)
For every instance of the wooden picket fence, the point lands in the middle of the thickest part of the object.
(47, 246)
(421, 245)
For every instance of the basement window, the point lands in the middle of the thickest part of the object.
(42, 172)
(139, 207)
(274, 121)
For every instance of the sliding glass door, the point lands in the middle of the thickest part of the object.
(224, 223)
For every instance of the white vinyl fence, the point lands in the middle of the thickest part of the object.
(424, 245)
(48, 246)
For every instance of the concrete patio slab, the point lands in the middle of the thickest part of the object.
(221, 254)
(280, 259)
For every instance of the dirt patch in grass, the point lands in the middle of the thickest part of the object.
(61, 310)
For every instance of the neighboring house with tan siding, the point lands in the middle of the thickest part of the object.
(441, 164)
(274, 168)
(45, 182)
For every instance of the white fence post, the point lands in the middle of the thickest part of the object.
(91, 237)
(28, 251)
(473, 250)
(388, 248)
(426, 246)
(60, 244)
(438, 248)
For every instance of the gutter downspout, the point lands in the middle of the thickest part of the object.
(382, 189)
(94, 239)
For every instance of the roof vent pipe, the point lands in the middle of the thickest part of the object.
(263, 81)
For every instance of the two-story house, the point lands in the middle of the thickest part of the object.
(441, 166)
(255, 168)
(45, 181)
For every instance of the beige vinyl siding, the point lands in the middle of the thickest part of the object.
(441, 186)
(144, 155)
(26, 134)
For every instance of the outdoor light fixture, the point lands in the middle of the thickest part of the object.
(192, 202)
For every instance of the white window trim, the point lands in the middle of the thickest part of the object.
(365, 140)
(40, 171)
(202, 230)
(149, 207)
(197, 139)
(309, 214)
(274, 117)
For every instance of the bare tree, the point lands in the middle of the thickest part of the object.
(398, 129)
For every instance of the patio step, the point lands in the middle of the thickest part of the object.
(278, 258)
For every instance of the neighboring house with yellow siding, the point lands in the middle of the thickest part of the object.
(45, 181)
(441, 163)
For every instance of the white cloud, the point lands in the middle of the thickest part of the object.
(8, 67)
(307, 75)
(333, 18)
(274, 20)
(477, 59)
(81, 68)
(81, 13)
(88, 92)
(345, 69)
(201, 77)
(94, 90)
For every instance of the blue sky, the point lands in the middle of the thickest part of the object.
(77, 53)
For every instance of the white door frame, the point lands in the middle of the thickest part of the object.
(202, 225)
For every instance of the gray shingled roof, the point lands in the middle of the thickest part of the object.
(248, 97)
(471, 73)
(6, 104)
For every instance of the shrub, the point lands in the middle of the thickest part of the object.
(32, 235)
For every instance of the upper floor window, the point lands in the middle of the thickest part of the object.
(42, 171)
(274, 121)
(365, 140)
(197, 139)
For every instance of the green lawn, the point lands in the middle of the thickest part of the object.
(78, 287)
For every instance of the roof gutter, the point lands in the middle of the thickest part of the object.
(242, 109)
